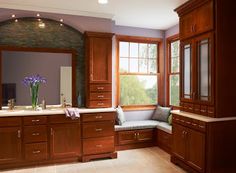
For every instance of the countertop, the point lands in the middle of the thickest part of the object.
(51, 111)
(200, 117)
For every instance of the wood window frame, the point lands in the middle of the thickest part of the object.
(169, 40)
(160, 68)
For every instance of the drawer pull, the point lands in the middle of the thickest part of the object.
(98, 117)
(100, 104)
(19, 134)
(35, 134)
(210, 112)
(99, 146)
(98, 130)
(190, 108)
(33, 121)
(188, 122)
(202, 126)
(182, 121)
(36, 152)
(194, 124)
(203, 111)
(100, 88)
(101, 96)
(177, 119)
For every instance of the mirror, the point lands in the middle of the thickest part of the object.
(54, 65)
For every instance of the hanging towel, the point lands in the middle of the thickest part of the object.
(72, 113)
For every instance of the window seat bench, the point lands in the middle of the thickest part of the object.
(143, 133)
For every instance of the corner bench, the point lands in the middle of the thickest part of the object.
(143, 133)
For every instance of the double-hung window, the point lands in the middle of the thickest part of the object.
(173, 71)
(137, 70)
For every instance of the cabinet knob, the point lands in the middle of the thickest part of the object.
(35, 134)
(100, 104)
(99, 146)
(100, 88)
(33, 121)
(98, 130)
(18, 133)
(100, 96)
(36, 152)
(98, 117)
(51, 131)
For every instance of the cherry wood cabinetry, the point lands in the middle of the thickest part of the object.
(98, 136)
(99, 73)
(11, 140)
(134, 138)
(206, 61)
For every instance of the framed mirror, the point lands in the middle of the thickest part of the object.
(58, 66)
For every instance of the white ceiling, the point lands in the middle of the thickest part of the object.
(154, 14)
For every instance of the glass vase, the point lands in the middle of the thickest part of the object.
(34, 96)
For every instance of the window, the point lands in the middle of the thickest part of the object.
(173, 71)
(138, 82)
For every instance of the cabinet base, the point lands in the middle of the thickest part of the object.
(182, 164)
(99, 156)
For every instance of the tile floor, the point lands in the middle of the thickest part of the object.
(146, 160)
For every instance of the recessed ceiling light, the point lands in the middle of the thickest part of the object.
(38, 15)
(102, 1)
(61, 20)
(13, 15)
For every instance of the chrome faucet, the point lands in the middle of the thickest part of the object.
(11, 104)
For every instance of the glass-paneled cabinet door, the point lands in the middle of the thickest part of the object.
(186, 70)
(205, 61)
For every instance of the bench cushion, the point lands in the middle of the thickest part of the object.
(136, 125)
(144, 124)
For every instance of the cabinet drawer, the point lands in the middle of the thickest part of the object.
(9, 122)
(100, 87)
(106, 116)
(98, 129)
(35, 120)
(36, 152)
(35, 134)
(57, 119)
(98, 145)
(100, 96)
(100, 104)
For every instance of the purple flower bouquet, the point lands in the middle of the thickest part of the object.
(33, 82)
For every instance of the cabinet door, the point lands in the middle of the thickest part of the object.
(126, 137)
(187, 70)
(65, 140)
(179, 141)
(100, 59)
(195, 154)
(205, 68)
(186, 25)
(145, 135)
(10, 145)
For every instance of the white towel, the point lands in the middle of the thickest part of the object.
(72, 113)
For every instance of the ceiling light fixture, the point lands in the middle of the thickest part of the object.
(102, 1)
(13, 15)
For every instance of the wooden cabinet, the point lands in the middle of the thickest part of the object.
(98, 135)
(99, 71)
(197, 21)
(134, 138)
(65, 138)
(10, 147)
(207, 46)
(189, 143)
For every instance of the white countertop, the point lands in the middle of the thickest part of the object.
(200, 117)
(51, 111)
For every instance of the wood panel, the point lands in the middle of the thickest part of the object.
(164, 140)
(106, 116)
(36, 151)
(35, 133)
(97, 129)
(35, 120)
(8, 122)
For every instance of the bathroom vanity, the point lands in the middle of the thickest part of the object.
(44, 137)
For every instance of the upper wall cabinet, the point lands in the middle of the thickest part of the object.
(207, 57)
(99, 69)
(198, 21)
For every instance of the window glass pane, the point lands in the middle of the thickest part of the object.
(143, 66)
(174, 90)
(175, 48)
(138, 90)
(134, 65)
(152, 51)
(124, 64)
(152, 66)
(175, 64)
(124, 49)
(134, 50)
(143, 50)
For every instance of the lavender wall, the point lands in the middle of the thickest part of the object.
(17, 65)
(172, 31)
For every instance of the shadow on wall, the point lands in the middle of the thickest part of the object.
(46, 33)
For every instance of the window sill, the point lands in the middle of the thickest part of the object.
(139, 107)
